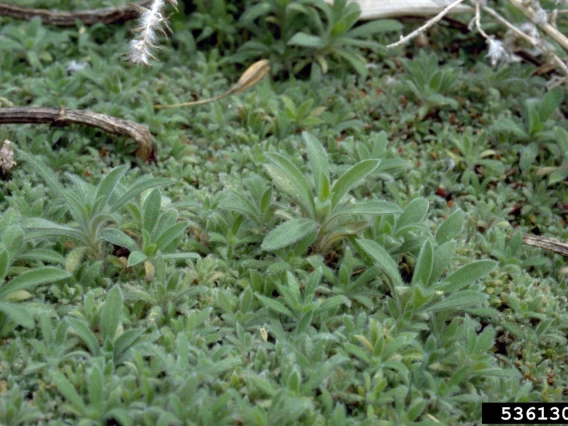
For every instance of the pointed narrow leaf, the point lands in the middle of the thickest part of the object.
(424, 265)
(304, 322)
(382, 259)
(290, 179)
(42, 255)
(414, 212)
(467, 274)
(356, 60)
(528, 156)
(239, 203)
(17, 313)
(44, 275)
(318, 161)
(306, 40)
(375, 27)
(13, 239)
(125, 341)
(443, 256)
(550, 103)
(68, 391)
(4, 262)
(367, 208)
(351, 178)
(124, 417)
(74, 258)
(106, 187)
(136, 189)
(289, 233)
(42, 228)
(85, 334)
(275, 305)
(110, 314)
(332, 303)
(171, 234)
(562, 140)
(450, 227)
(135, 257)
(95, 383)
(459, 300)
(151, 209)
(485, 341)
(166, 219)
(45, 172)
(119, 238)
(291, 291)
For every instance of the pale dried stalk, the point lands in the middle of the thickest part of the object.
(546, 27)
(427, 25)
(549, 29)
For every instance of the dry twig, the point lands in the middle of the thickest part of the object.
(551, 244)
(63, 117)
(107, 15)
(552, 32)
(427, 25)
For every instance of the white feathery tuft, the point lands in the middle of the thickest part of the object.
(151, 22)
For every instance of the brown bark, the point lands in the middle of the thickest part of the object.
(108, 15)
(63, 117)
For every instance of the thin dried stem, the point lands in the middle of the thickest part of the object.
(534, 42)
(107, 15)
(546, 27)
(477, 23)
(427, 25)
(512, 27)
(64, 117)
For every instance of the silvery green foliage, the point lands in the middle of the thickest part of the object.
(160, 229)
(429, 82)
(94, 210)
(14, 285)
(327, 211)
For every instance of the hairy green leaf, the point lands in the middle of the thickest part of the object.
(424, 265)
(289, 233)
(351, 178)
(467, 274)
(291, 180)
(106, 187)
(171, 234)
(450, 227)
(459, 300)
(119, 238)
(382, 259)
(17, 313)
(275, 305)
(68, 391)
(136, 189)
(318, 161)
(86, 335)
(111, 312)
(44, 275)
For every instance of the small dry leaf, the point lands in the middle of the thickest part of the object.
(250, 77)
(263, 334)
(150, 271)
(7, 162)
